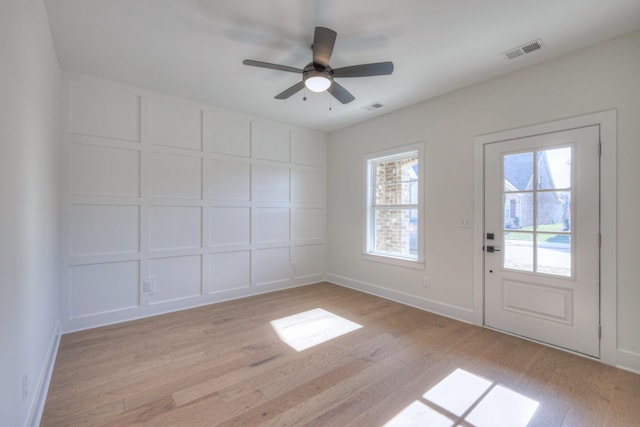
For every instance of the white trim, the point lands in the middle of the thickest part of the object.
(390, 259)
(42, 386)
(609, 353)
(143, 312)
(446, 310)
(629, 361)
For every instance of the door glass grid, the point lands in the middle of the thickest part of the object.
(537, 220)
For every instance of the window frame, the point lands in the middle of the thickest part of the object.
(415, 149)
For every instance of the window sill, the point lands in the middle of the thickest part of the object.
(400, 262)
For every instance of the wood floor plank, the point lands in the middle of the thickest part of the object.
(297, 396)
(624, 407)
(224, 364)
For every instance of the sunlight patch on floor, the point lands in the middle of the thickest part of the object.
(465, 397)
(418, 415)
(307, 329)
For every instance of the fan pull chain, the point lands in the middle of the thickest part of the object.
(304, 94)
(330, 108)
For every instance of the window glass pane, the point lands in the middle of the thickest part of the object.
(554, 211)
(396, 232)
(554, 168)
(518, 171)
(518, 251)
(386, 194)
(408, 193)
(386, 172)
(518, 211)
(554, 254)
(408, 169)
(397, 181)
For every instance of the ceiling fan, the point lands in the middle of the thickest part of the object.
(318, 76)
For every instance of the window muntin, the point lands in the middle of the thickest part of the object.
(394, 205)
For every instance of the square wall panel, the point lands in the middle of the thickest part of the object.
(175, 227)
(227, 132)
(175, 125)
(308, 224)
(104, 112)
(229, 226)
(270, 225)
(309, 260)
(230, 270)
(308, 186)
(270, 141)
(228, 180)
(308, 148)
(104, 171)
(176, 278)
(103, 229)
(174, 176)
(103, 288)
(270, 183)
(271, 265)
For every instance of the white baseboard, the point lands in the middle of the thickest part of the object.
(144, 311)
(42, 386)
(451, 311)
(629, 361)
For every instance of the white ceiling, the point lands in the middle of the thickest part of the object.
(194, 48)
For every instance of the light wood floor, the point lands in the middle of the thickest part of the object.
(224, 365)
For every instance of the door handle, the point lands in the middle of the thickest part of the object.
(492, 249)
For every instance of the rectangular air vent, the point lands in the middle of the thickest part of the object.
(373, 106)
(523, 50)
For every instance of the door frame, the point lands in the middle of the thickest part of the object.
(606, 120)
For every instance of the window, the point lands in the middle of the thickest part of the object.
(394, 207)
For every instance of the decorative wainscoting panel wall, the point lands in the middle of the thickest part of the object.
(173, 204)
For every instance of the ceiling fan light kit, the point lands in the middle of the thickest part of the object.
(318, 76)
(317, 81)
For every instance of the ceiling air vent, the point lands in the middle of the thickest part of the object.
(523, 50)
(373, 106)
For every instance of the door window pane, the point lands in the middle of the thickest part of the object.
(518, 211)
(518, 250)
(554, 211)
(554, 168)
(518, 171)
(553, 254)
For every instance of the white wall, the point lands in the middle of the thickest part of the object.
(29, 167)
(210, 203)
(595, 79)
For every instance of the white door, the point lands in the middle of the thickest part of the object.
(542, 238)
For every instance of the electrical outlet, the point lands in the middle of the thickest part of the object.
(425, 283)
(149, 286)
(25, 387)
(294, 266)
(464, 222)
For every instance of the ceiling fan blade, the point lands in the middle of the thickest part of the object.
(365, 70)
(292, 90)
(340, 93)
(323, 41)
(271, 66)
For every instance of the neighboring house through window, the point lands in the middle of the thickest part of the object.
(395, 207)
